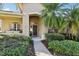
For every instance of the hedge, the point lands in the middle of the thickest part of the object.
(14, 45)
(64, 47)
(54, 36)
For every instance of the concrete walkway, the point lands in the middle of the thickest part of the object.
(40, 49)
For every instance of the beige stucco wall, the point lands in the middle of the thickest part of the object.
(33, 8)
(7, 21)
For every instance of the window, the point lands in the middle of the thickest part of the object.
(15, 27)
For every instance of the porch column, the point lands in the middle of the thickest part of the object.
(26, 24)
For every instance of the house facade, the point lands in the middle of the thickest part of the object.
(28, 22)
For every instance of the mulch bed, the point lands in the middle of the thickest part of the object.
(50, 50)
(31, 51)
(46, 45)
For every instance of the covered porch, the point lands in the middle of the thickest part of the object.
(32, 22)
(35, 25)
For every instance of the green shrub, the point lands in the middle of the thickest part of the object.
(54, 36)
(65, 47)
(17, 51)
(14, 45)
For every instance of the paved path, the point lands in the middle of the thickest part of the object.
(40, 49)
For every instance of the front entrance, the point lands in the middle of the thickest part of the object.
(34, 30)
(34, 23)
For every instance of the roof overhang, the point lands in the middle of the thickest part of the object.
(21, 6)
(10, 14)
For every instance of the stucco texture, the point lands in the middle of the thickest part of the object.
(7, 21)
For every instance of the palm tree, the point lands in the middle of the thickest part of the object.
(71, 15)
(67, 19)
(50, 16)
(61, 24)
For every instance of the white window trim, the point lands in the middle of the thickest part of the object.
(14, 27)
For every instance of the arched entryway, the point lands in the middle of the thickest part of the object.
(34, 25)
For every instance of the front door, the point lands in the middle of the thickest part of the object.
(34, 30)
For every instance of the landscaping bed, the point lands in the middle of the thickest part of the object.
(31, 51)
(65, 47)
(15, 45)
(45, 43)
(58, 45)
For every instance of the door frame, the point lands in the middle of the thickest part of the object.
(37, 29)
